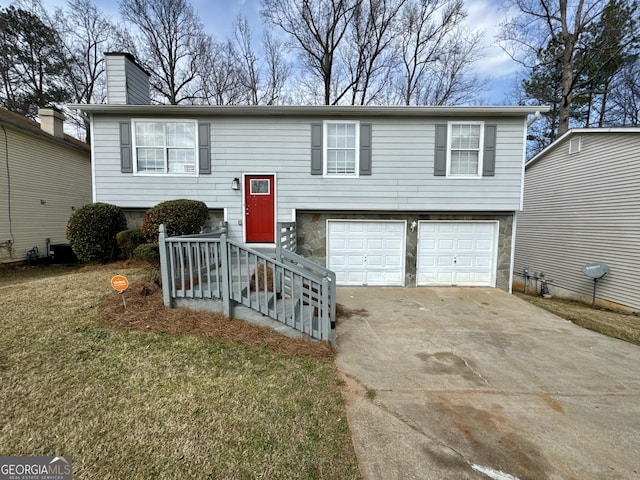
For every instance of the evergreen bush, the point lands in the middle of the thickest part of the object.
(128, 240)
(148, 252)
(92, 231)
(180, 217)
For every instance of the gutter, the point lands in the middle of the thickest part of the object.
(536, 115)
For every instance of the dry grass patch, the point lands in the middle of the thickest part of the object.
(141, 403)
(623, 326)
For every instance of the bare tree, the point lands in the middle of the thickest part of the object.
(433, 50)
(248, 68)
(171, 46)
(86, 33)
(541, 23)
(450, 81)
(369, 55)
(625, 98)
(277, 69)
(317, 28)
(220, 80)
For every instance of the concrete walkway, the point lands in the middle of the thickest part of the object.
(453, 383)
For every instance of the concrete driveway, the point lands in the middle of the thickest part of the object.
(455, 383)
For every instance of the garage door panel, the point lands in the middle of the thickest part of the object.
(485, 245)
(375, 261)
(355, 243)
(374, 252)
(456, 253)
(445, 244)
(374, 244)
(464, 261)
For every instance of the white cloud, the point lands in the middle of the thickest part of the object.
(486, 16)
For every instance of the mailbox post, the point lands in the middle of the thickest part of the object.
(595, 271)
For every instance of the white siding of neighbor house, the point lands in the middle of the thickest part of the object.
(40, 171)
(584, 208)
(402, 166)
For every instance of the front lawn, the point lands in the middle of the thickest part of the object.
(130, 403)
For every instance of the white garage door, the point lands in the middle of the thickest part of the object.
(457, 253)
(366, 253)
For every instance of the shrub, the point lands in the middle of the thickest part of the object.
(92, 230)
(180, 217)
(148, 252)
(128, 240)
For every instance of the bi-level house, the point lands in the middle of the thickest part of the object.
(397, 196)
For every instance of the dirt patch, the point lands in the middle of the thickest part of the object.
(145, 311)
(343, 312)
(624, 326)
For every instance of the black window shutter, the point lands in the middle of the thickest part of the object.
(365, 149)
(204, 148)
(126, 159)
(489, 156)
(440, 158)
(316, 149)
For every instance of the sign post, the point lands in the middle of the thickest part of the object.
(120, 284)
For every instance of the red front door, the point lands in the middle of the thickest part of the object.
(259, 212)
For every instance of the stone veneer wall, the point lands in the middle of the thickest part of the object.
(312, 237)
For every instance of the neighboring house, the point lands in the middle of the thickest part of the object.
(581, 206)
(44, 176)
(381, 195)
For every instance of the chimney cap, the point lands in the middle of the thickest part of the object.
(129, 56)
(51, 111)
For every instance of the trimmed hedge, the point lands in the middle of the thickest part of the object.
(128, 240)
(92, 231)
(180, 217)
(149, 252)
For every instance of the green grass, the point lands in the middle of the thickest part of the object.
(12, 274)
(132, 404)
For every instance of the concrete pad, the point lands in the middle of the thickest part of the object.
(476, 383)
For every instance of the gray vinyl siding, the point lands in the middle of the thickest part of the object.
(48, 181)
(126, 82)
(402, 170)
(583, 208)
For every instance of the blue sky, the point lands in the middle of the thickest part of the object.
(218, 17)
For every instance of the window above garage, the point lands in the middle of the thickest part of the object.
(465, 149)
(341, 148)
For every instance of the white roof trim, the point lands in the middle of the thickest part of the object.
(579, 131)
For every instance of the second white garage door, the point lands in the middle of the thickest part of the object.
(366, 253)
(457, 253)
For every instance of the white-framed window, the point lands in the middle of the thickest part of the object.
(465, 143)
(165, 147)
(341, 148)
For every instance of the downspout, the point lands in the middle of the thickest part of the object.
(93, 157)
(9, 243)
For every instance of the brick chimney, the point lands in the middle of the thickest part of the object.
(127, 82)
(52, 121)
